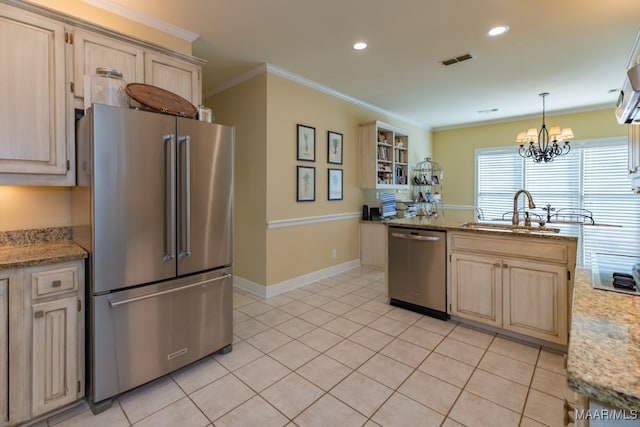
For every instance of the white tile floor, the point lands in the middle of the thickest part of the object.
(335, 354)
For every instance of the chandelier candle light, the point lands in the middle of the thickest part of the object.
(543, 145)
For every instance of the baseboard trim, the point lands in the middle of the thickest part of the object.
(291, 284)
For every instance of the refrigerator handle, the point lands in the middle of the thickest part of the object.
(185, 191)
(169, 197)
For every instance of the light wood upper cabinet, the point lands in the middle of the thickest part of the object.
(45, 56)
(179, 77)
(36, 147)
(93, 50)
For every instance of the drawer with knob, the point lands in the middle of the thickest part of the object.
(48, 282)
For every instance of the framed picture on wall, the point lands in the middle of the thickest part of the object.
(306, 184)
(306, 143)
(335, 184)
(334, 147)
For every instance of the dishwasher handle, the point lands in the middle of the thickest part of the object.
(415, 237)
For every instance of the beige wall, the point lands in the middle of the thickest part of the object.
(244, 106)
(455, 149)
(270, 256)
(34, 207)
(92, 14)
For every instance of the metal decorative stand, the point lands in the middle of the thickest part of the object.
(426, 182)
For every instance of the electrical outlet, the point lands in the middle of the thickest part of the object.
(333, 254)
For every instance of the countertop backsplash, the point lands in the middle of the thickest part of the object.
(35, 235)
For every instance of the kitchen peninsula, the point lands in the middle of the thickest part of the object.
(600, 330)
(511, 278)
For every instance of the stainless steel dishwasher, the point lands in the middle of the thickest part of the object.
(417, 268)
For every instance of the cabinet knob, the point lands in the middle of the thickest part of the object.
(497, 265)
(505, 265)
(38, 314)
(56, 283)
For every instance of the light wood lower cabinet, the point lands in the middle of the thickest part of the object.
(54, 370)
(476, 285)
(373, 251)
(510, 290)
(4, 351)
(45, 317)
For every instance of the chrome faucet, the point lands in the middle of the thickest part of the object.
(532, 205)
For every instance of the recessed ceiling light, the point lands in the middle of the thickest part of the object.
(496, 31)
(360, 46)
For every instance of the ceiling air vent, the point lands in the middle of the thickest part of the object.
(461, 58)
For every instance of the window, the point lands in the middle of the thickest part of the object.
(593, 176)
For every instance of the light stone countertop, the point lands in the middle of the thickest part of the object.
(567, 231)
(604, 344)
(39, 246)
(39, 254)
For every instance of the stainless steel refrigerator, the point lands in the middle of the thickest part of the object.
(154, 208)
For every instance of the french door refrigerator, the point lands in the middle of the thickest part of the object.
(154, 208)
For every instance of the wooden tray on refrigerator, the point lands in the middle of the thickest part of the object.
(163, 101)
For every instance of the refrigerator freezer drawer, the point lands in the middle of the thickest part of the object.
(141, 334)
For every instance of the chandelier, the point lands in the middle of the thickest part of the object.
(543, 145)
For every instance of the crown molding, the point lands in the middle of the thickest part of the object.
(144, 19)
(312, 84)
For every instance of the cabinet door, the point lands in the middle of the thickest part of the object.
(33, 111)
(179, 77)
(94, 50)
(54, 370)
(535, 300)
(4, 351)
(372, 245)
(476, 292)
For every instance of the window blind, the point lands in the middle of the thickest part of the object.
(592, 176)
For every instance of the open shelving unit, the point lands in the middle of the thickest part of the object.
(384, 156)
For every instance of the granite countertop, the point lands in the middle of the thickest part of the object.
(567, 231)
(26, 248)
(604, 345)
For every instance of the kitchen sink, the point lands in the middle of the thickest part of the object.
(493, 226)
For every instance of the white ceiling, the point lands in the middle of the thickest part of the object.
(575, 49)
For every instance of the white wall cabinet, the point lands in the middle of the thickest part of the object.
(176, 76)
(45, 314)
(93, 50)
(41, 89)
(521, 285)
(36, 144)
(384, 156)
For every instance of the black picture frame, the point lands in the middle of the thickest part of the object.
(334, 184)
(334, 147)
(305, 183)
(306, 143)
